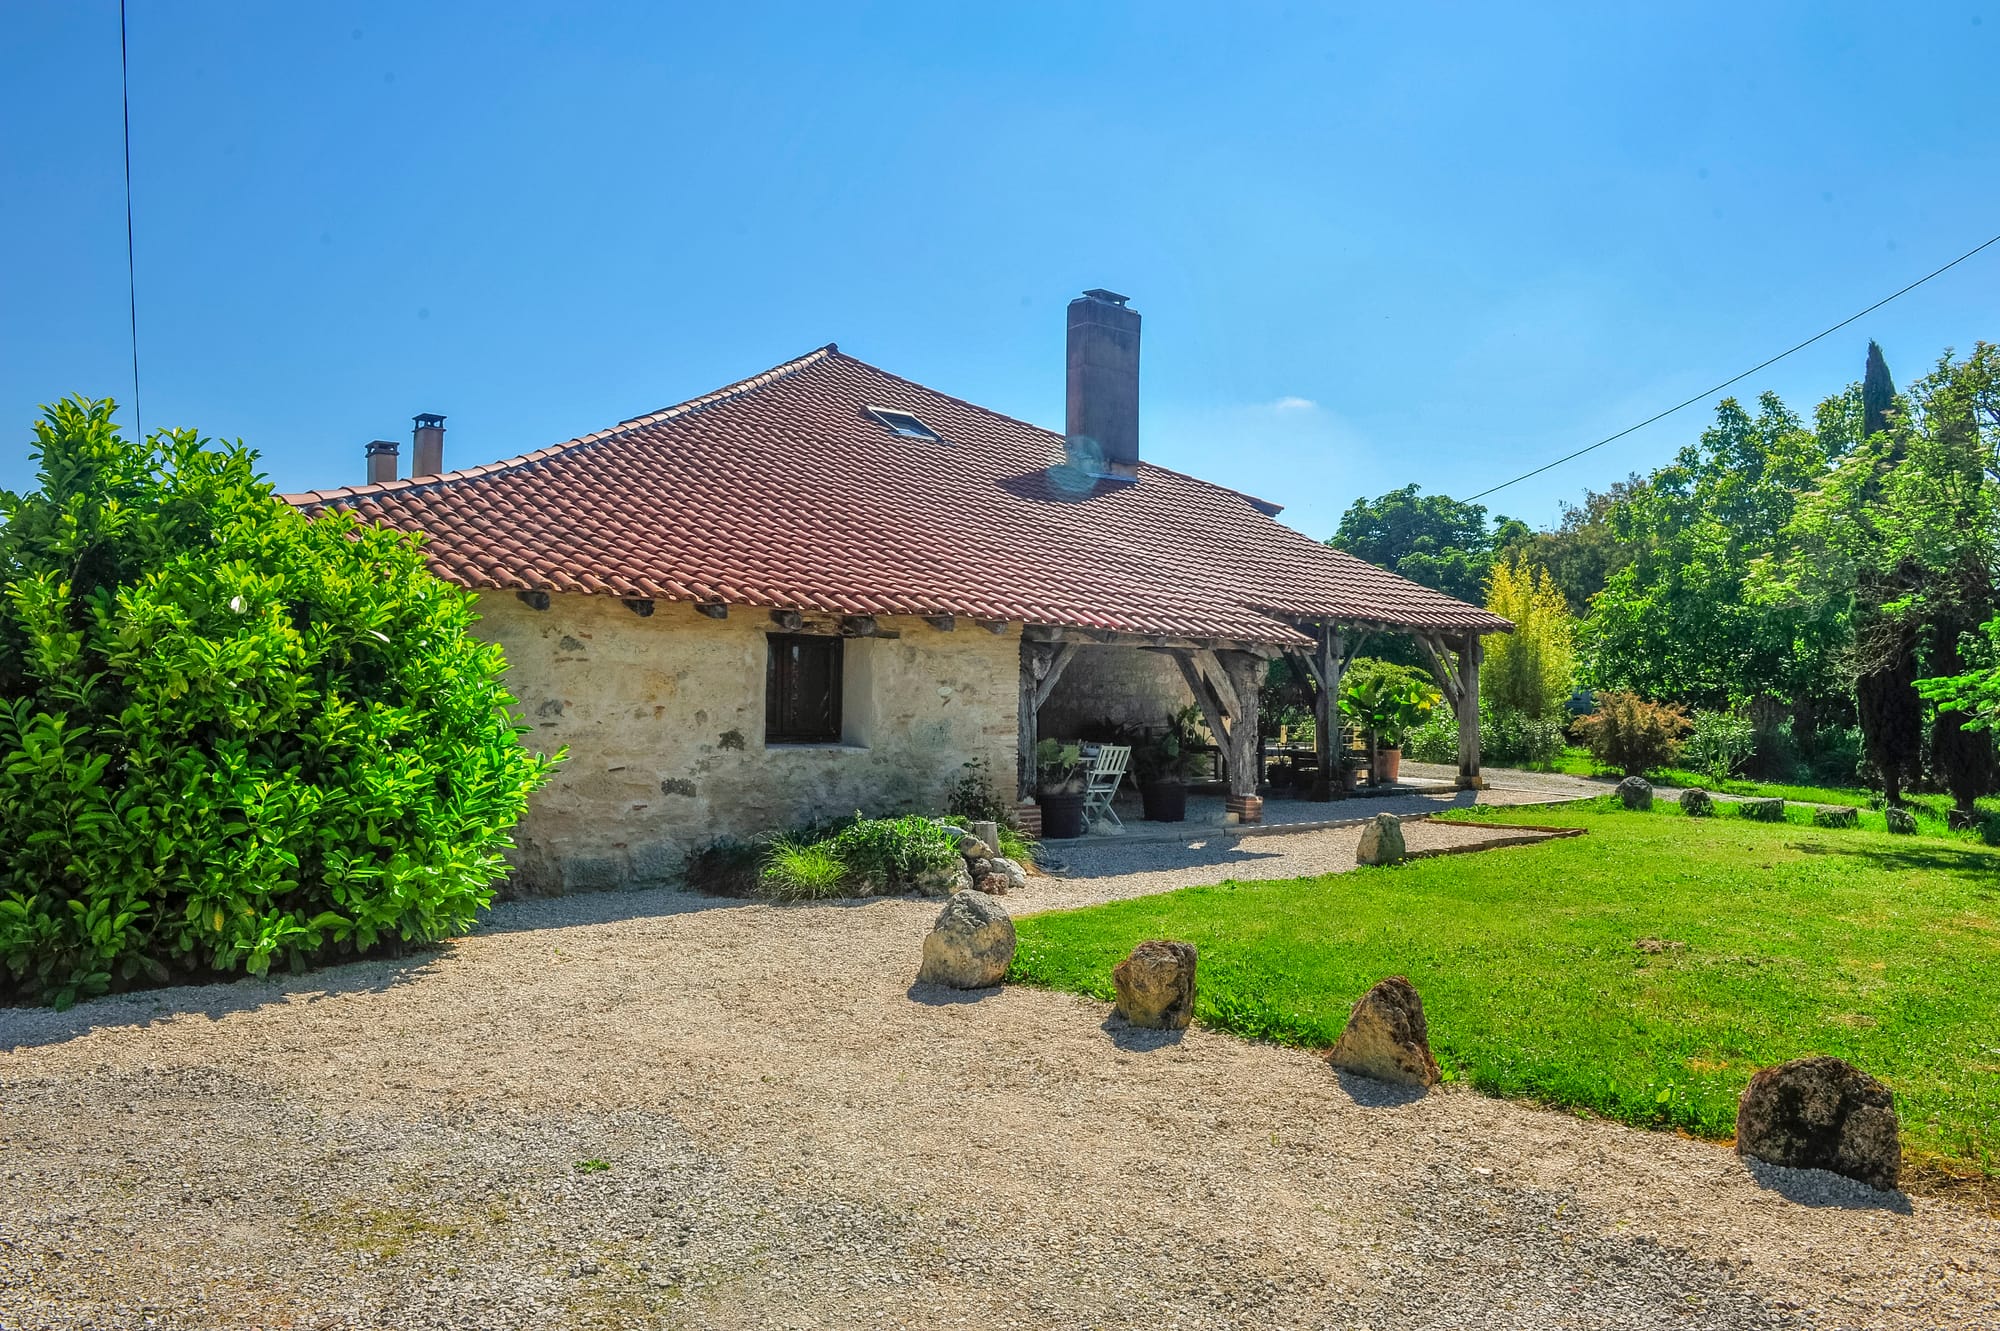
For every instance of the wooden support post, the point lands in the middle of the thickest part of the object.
(1468, 713)
(1042, 664)
(1244, 672)
(1327, 743)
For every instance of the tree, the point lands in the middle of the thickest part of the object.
(1878, 393)
(1885, 693)
(230, 737)
(1675, 623)
(1583, 551)
(1430, 539)
(1909, 521)
(1532, 670)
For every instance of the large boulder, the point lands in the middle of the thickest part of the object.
(1156, 984)
(1821, 1113)
(942, 882)
(1901, 821)
(1763, 811)
(1636, 792)
(1833, 815)
(1697, 803)
(1387, 1038)
(1381, 841)
(971, 945)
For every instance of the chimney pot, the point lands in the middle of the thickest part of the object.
(427, 450)
(382, 460)
(1102, 428)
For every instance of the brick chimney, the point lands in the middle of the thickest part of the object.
(427, 451)
(382, 460)
(1103, 419)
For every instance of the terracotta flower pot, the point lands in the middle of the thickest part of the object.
(1392, 764)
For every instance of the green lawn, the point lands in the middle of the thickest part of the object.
(1780, 940)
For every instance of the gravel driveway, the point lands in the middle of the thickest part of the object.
(791, 1136)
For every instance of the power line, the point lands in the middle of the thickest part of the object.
(131, 266)
(1707, 393)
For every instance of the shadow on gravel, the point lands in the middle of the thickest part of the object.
(1114, 859)
(1817, 1187)
(1371, 1094)
(943, 995)
(28, 1028)
(612, 907)
(1138, 1039)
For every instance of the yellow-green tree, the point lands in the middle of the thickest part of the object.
(1531, 670)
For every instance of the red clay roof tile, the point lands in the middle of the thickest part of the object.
(782, 491)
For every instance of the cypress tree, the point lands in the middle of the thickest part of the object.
(1885, 693)
(1878, 393)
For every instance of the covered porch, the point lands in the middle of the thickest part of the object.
(1088, 683)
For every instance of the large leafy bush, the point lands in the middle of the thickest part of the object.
(1719, 743)
(229, 737)
(1633, 735)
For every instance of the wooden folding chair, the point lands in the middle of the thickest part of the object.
(1107, 770)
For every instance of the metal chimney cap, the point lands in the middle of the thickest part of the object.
(1099, 293)
(379, 446)
(427, 419)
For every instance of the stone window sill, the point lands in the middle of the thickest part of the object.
(815, 748)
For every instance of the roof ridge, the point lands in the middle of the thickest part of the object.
(726, 393)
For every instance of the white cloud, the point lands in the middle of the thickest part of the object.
(1295, 404)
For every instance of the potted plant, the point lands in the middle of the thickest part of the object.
(1161, 766)
(1388, 708)
(1059, 788)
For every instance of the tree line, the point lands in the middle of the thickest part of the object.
(1830, 580)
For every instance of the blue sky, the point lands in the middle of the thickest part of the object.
(1373, 244)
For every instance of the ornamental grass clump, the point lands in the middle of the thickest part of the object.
(230, 737)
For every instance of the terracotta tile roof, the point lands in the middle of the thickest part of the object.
(782, 491)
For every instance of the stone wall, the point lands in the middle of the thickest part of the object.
(664, 721)
(1123, 685)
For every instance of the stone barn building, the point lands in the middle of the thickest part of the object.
(826, 589)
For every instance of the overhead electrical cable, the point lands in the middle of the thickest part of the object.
(1711, 392)
(131, 266)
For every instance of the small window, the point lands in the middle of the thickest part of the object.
(903, 423)
(802, 689)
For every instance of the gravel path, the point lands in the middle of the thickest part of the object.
(794, 1137)
(1100, 869)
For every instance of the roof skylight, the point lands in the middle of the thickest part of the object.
(903, 423)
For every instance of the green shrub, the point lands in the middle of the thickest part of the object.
(799, 870)
(976, 800)
(1718, 743)
(1506, 739)
(1632, 735)
(1435, 741)
(885, 853)
(1016, 847)
(229, 737)
(1509, 738)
